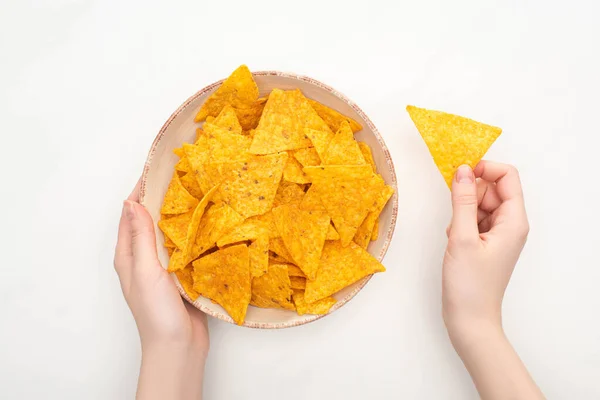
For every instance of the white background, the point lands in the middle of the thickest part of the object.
(86, 85)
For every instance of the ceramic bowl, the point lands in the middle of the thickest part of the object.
(180, 128)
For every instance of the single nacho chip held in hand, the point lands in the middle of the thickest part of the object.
(319, 307)
(229, 287)
(273, 289)
(177, 200)
(239, 91)
(453, 140)
(333, 118)
(340, 267)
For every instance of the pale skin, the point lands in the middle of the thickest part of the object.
(488, 231)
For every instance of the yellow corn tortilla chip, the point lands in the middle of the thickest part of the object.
(228, 120)
(368, 155)
(250, 186)
(307, 157)
(303, 233)
(333, 118)
(294, 270)
(187, 281)
(179, 152)
(311, 201)
(288, 193)
(320, 140)
(343, 149)
(453, 140)
(175, 228)
(176, 261)
(259, 255)
(250, 229)
(189, 250)
(332, 234)
(348, 201)
(224, 145)
(249, 117)
(345, 172)
(217, 220)
(177, 200)
(239, 90)
(281, 127)
(297, 282)
(273, 290)
(277, 246)
(319, 307)
(224, 277)
(375, 234)
(293, 172)
(183, 165)
(197, 156)
(190, 184)
(274, 257)
(169, 243)
(340, 266)
(365, 230)
(199, 133)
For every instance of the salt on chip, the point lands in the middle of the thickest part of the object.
(224, 277)
(293, 172)
(453, 140)
(298, 282)
(343, 148)
(190, 183)
(288, 193)
(303, 233)
(239, 90)
(228, 120)
(175, 228)
(333, 118)
(367, 154)
(320, 139)
(259, 255)
(273, 289)
(319, 307)
(250, 186)
(187, 282)
(307, 157)
(365, 230)
(177, 200)
(281, 127)
(340, 266)
(277, 246)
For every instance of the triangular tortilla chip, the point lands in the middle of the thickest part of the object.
(332, 234)
(320, 140)
(333, 118)
(303, 233)
(293, 172)
(365, 230)
(273, 289)
(217, 220)
(249, 117)
(177, 200)
(319, 307)
(311, 201)
(190, 239)
(224, 145)
(250, 186)
(239, 91)
(307, 157)
(277, 246)
(375, 234)
(176, 261)
(176, 227)
(294, 270)
(343, 149)
(453, 140)
(224, 277)
(288, 193)
(368, 155)
(346, 172)
(190, 184)
(259, 255)
(187, 281)
(340, 266)
(282, 124)
(298, 282)
(227, 119)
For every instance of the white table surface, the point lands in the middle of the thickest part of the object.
(86, 85)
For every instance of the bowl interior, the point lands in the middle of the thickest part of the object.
(181, 128)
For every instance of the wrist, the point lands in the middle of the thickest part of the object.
(467, 334)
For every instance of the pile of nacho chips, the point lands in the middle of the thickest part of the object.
(274, 204)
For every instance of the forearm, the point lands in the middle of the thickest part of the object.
(171, 372)
(495, 367)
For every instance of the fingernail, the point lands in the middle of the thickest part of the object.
(129, 210)
(465, 174)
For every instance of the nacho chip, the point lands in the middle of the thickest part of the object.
(453, 140)
(303, 233)
(228, 120)
(307, 157)
(281, 127)
(343, 149)
(190, 250)
(297, 282)
(199, 134)
(294, 270)
(250, 229)
(365, 230)
(319, 307)
(187, 281)
(168, 243)
(332, 234)
(274, 257)
(179, 152)
(183, 165)
(333, 118)
(176, 261)
(224, 145)
(366, 152)
(250, 186)
(375, 234)
(190, 184)
(293, 172)
(230, 286)
(340, 267)
(345, 172)
(272, 290)
(277, 246)
(311, 201)
(175, 228)
(239, 90)
(249, 117)
(288, 193)
(259, 255)
(217, 220)
(177, 200)
(320, 140)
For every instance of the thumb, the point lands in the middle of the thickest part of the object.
(143, 239)
(464, 205)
